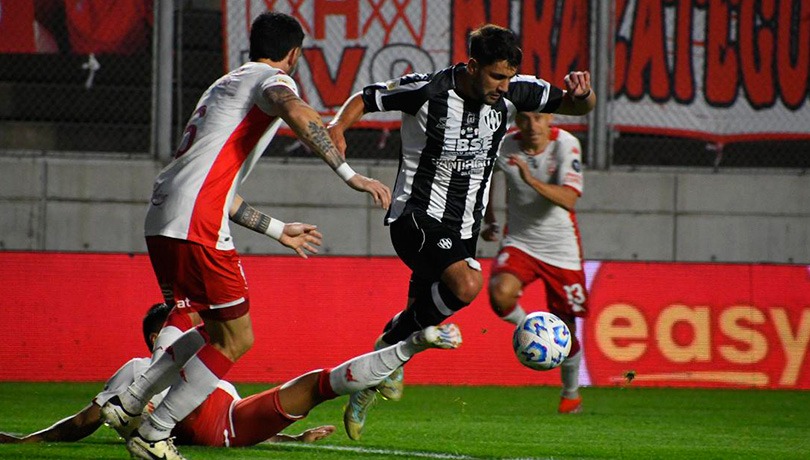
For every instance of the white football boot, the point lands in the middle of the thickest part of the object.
(446, 336)
(163, 449)
(116, 417)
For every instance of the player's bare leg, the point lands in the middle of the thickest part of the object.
(504, 291)
(446, 336)
(570, 399)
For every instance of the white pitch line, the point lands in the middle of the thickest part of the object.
(397, 453)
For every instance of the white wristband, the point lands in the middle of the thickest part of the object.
(275, 229)
(345, 172)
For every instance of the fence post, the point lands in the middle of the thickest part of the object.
(600, 144)
(162, 69)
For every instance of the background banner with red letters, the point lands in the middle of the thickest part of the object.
(77, 317)
(719, 71)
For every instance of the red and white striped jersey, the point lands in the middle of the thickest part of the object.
(534, 224)
(224, 138)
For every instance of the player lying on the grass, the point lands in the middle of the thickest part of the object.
(225, 419)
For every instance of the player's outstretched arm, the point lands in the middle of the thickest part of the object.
(310, 435)
(73, 428)
(351, 111)
(307, 124)
(579, 98)
(296, 236)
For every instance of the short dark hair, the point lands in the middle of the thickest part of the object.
(154, 320)
(273, 35)
(490, 43)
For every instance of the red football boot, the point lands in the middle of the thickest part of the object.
(570, 406)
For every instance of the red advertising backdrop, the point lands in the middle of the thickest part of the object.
(76, 317)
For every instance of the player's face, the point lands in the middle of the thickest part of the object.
(491, 82)
(535, 127)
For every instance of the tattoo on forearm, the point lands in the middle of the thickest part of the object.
(318, 139)
(248, 217)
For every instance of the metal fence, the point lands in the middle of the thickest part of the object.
(85, 75)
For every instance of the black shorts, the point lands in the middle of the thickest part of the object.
(428, 247)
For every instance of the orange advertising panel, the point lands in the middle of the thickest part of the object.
(76, 317)
(700, 325)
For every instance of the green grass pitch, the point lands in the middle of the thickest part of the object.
(481, 422)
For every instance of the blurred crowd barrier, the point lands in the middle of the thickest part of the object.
(689, 83)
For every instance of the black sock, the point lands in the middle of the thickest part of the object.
(423, 312)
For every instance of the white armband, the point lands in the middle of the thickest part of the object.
(345, 172)
(275, 229)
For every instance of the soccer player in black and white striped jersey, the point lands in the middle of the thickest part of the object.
(452, 124)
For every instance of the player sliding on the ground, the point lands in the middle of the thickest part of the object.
(226, 420)
(452, 123)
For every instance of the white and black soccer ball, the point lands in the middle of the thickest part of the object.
(541, 341)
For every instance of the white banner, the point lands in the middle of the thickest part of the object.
(708, 70)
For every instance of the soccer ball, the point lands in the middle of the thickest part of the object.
(541, 341)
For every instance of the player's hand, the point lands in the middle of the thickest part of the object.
(491, 232)
(315, 434)
(578, 83)
(336, 134)
(379, 191)
(525, 173)
(298, 236)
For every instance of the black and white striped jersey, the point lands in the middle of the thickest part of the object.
(449, 144)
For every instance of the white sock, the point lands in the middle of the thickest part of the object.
(198, 381)
(162, 372)
(369, 370)
(515, 316)
(569, 371)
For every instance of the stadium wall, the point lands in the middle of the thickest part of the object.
(78, 204)
(76, 317)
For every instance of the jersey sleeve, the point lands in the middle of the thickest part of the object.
(278, 79)
(570, 155)
(532, 94)
(507, 147)
(122, 378)
(405, 94)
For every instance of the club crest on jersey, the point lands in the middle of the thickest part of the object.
(445, 243)
(493, 119)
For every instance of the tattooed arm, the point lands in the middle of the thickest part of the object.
(307, 124)
(295, 236)
(305, 121)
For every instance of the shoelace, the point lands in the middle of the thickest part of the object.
(172, 447)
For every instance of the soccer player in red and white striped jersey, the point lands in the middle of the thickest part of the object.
(543, 169)
(187, 226)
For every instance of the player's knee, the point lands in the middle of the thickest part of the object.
(501, 297)
(467, 287)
